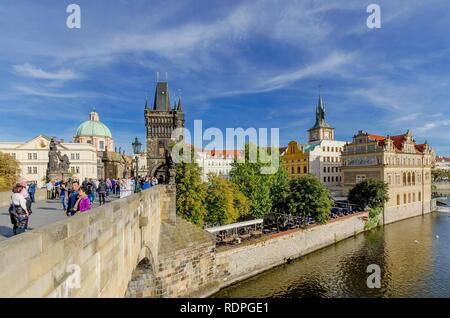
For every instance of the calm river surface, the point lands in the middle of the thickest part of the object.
(414, 256)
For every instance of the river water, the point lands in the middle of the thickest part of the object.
(414, 257)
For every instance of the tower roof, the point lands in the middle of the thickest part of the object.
(162, 98)
(320, 115)
(180, 105)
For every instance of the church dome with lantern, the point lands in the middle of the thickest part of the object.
(94, 132)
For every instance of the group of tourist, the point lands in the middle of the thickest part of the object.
(75, 197)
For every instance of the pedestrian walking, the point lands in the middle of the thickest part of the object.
(102, 189)
(32, 191)
(62, 195)
(18, 210)
(26, 195)
(49, 186)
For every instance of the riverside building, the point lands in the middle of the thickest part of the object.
(397, 160)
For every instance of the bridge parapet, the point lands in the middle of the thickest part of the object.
(88, 255)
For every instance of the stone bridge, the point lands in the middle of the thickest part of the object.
(133, 247)
(138, 247)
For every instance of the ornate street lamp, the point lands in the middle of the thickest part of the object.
(137, 150)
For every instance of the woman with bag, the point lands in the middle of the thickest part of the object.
(18, 210)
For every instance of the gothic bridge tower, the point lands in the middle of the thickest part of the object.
(160, 120)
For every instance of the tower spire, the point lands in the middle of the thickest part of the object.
(180, 105)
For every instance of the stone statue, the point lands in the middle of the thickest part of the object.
(53, 157)
(169, 166)
(58, 164)
(65, 163)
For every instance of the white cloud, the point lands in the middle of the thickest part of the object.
(28, 70)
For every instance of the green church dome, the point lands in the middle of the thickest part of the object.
(93, 127)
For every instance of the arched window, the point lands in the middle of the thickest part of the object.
(305, 170)
(299, 170)
(398, 199)
(293, 170)
(420, 196)
(414, 178)
(409, 197)
(404, 178)
(404, 199)
(409, 178)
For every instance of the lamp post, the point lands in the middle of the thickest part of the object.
(137, 150)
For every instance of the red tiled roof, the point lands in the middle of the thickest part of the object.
(397, 140)
(420, 148)
(376, 137)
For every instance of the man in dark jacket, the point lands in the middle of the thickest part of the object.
(102, 188)
(32, 191)
(72, 200)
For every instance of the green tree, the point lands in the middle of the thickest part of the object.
(225, 204)
(440, 175)
(191, 193)
(369, 193)
(308, 196)
(280, 190)
(9, 171)
(255, 185)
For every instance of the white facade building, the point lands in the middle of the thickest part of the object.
(216, 161)
(32, 156)
(325, 152)
(325, 163)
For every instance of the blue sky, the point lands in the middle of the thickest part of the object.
(235, 63)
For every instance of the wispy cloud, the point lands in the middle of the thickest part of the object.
(28, 70)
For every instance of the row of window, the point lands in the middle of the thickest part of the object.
(409, 198)
(74, 156)
(219, 163)
(161, 130)
(331, 169)
(34, 155)
(407, 161)
(332, 179)
(32, 170)
(293, 161)
(331, 159)
(409, 178)
(332, 149)
(75, 170)
(299, 170)
(160, 120)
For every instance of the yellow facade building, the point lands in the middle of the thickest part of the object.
(295, 160)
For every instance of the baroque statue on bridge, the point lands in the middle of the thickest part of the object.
(58, 164)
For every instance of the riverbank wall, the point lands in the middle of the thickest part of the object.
(241, 262)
